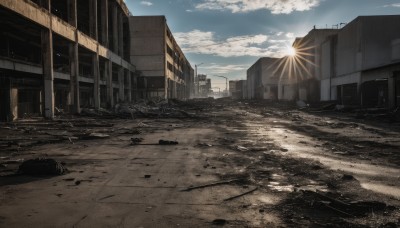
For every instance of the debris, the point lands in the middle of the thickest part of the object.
(95, 136)
(205, 144)
(219, 222)
(243, 194)
(147, 176)
(165, 142)
(78, 182)
(347, 177)
(42, 166)
(241, 148)
(301, 104)
(210, 185)
(106, 197)
(135, 141)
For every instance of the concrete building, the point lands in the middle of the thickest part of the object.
(361, 64)
(262, 79)
(165, 71)
(204, 85)
(307, 72)
(238, 89)
(232, 87)
(64, 54)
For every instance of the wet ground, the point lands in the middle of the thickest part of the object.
(237, 164)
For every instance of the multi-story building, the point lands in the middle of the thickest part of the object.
(262, 79)
(307, 69)
(164, 69)
(63, 54)
(361, 64)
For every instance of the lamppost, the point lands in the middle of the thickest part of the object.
(197, 90)
(226, 86)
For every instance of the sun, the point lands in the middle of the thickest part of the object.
(291, 51)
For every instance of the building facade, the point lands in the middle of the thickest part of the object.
(361, 64)
(163, 67)
(262, 79)
(63, 55)
(307, 72)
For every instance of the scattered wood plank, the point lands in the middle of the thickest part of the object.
(240, 195)
(209, 185)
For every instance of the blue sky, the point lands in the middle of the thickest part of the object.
(228, 36)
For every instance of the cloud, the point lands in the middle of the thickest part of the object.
(146, 3)
(393, 5)
(274, 6)
(206, 42)
(214, 68)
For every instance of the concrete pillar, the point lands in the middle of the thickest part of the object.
(109, 83)
(96, 78)
(13, 103)
(104, 22)
(121, 82)
(93, 19)
(129, 85)
(48, 74)
(74, 60)
(115, 28)
(120, 34)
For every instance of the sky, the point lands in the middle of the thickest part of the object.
(226, 37)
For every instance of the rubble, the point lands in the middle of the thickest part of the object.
(42, 166)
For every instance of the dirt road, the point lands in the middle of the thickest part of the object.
(236, 165)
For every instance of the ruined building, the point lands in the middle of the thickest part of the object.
(165, 72)
(64, 55)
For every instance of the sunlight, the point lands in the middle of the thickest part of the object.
(291, 51)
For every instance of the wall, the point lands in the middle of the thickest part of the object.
(147, 44)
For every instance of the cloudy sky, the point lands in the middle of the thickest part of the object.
(228, 36)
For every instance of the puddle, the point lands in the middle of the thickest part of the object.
(280, 188)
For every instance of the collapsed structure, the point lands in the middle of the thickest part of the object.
(65, 55)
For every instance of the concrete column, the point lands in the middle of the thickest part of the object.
(129, 85)
(120, 34)
(93, 19)
(74, 60)
(48, 74)
(104, 23)
(121, 82)
(115, 28)
(110, 89)
(96, 77)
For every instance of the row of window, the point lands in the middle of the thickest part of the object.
(174, 70)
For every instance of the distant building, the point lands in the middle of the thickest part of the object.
(155, 53)
(232, 87)
(238, 89)
(262, 79)
(361, 64)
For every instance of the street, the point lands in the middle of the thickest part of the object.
(236, 164)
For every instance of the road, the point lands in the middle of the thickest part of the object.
(294, 168)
